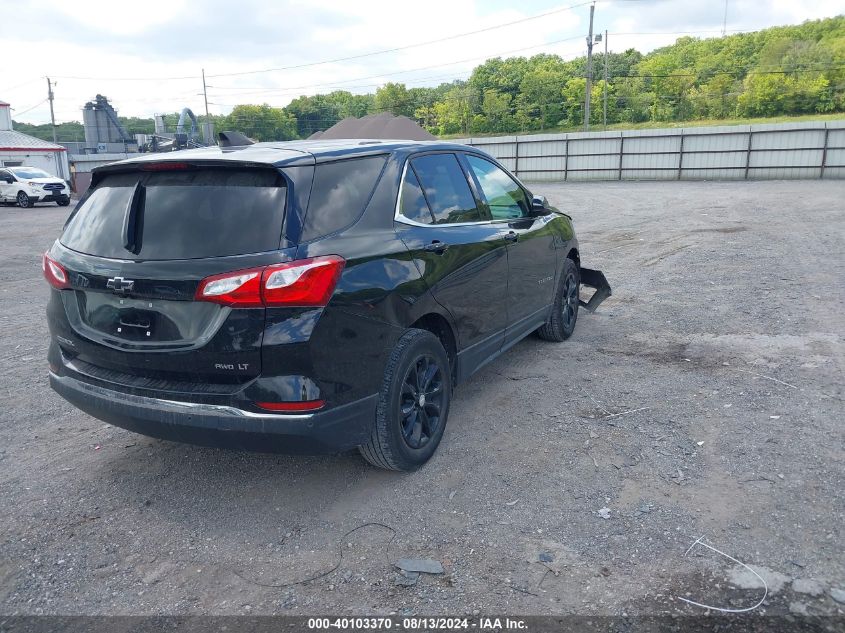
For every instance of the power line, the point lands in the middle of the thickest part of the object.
(710, 74)
(20, 112)
(456, 76)
(402, 72)
(679, 32)
(338, 59)
(701, 76)
(238, 91)
(403, 48)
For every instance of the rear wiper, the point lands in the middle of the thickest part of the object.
(133, 219)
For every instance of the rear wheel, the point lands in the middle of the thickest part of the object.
(23, 200)
(561, 322)
(413, 404)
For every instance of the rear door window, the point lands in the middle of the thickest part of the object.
(185, 214)
(412, 204)
(505, 198)
(339, 194)
(446, 189)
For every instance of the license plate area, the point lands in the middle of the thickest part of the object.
(140, 320)
(135, 324)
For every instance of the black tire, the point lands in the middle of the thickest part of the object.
(564, 315)
(63, 203)
(418, 353)
(23, 200)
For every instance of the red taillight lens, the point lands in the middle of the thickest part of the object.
(54, 273)
(305, 283)
(302, 283)
(302, 406)
(241, 289)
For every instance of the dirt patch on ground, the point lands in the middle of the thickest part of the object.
(703, 399)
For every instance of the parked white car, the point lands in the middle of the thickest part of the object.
(27, 185)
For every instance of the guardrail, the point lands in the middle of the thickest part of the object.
(740, 152)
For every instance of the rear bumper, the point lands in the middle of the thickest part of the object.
(332, 431)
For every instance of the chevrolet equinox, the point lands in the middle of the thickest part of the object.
(308, 296)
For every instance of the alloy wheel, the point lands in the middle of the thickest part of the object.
(421, 401)
(569, 303)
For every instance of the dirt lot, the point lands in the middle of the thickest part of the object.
(705, 398)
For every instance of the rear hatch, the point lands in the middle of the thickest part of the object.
(135, 251)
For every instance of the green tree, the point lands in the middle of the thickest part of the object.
(261, 122)
(496, 109)
(393, 97)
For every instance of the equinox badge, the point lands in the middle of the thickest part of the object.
(120, 285)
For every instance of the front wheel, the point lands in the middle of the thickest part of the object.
(413, 404)
(23, 200)
(63, 202)
(561, 322)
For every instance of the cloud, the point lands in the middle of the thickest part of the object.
(136, 49)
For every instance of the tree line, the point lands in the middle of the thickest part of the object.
(787, 70)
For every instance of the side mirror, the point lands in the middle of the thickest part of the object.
(539, 206)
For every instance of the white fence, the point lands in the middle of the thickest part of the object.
(736, 152)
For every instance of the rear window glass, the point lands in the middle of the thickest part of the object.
(413, 206)
(339, 194)
(185, 214)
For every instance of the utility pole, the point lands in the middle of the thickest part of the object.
(52, 116)
(589, 70)
(207, 117)
(605, 80)
(205, 94)
(725, 20)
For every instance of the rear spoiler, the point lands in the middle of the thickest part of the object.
(594, 279)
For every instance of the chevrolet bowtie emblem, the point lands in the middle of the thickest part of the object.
(120, 285)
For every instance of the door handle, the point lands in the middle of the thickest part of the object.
(512, 236)
(437, 247)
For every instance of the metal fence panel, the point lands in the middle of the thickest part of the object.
(540, 148)
(815, 149)
(537, 164)
(719, 142)
(593, 146)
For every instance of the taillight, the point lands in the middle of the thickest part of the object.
(307, 282)
(240, 289)
(302, 283)
(54, 273)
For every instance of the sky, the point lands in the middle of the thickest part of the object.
(147, 57)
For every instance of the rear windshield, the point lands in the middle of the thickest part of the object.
(181, 215)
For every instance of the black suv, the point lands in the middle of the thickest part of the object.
(311, 296)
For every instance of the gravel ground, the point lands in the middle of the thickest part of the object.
(705, 398)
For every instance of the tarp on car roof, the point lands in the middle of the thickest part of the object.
(376, 126)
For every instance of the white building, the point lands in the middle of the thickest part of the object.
(18, 149)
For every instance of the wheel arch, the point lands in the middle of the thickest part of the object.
(439, 325)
